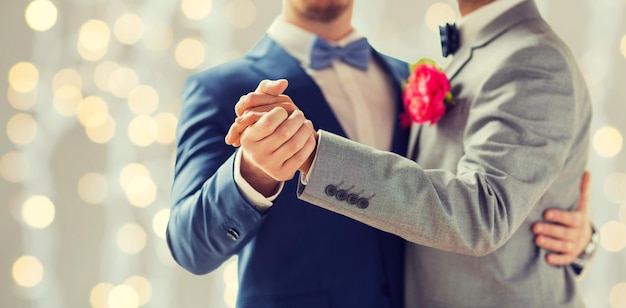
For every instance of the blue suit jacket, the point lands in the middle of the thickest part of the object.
(296, 254)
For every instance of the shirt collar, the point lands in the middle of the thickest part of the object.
(297, 41)
(471, 24)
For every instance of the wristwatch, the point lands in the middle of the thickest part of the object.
(579, 264)
(591, 248)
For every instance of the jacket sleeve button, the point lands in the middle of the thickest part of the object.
(341, 195)
(363, 203)
(331, 190)
(353, 198)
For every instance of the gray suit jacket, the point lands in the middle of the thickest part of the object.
(515, 143)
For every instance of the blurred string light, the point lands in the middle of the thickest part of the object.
(67, 77)
(66, 99)
(617, 296)
(122, 81)
(92, 111)
(142, 130)
(128, 29)
(93, 40)
(608, 141)
(24, 77)
(38, 212)
(613, 236)
(99, 295)
(138, 186)
(41, 15)
(92, 188)
(159, 222)
(21, 101)
(102, 131)
(123, 296)
(22, 128)
(13, 167)
(131, 238)
(166, 127)
(438, 14)
(27, 271)
(196, 9)
(142, 287)
(190, 53)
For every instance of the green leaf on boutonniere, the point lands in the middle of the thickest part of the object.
(424, 61)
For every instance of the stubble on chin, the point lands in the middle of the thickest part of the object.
(323, 13)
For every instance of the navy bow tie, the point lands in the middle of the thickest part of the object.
(356, 54)
(450, 39)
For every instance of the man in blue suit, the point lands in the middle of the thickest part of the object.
(287, 258)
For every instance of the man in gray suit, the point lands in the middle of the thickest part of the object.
(515, 143)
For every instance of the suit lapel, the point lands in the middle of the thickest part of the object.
(520, 13)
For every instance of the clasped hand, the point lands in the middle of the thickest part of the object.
(274, 135)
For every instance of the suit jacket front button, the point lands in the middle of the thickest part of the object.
(353, 198)
(331, 190)
(363, 203)
(233, 234)
(341, 195)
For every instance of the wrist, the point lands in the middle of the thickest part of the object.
(257, 178)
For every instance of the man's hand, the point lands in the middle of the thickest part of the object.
(267, 96)
(566, 233)
(277, 143)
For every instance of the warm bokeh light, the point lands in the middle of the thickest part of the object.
(103, 132)
(27, 271)
(67, 77)
(128, 29)
(190, 53)
(41, 15)
(66, 100)
(38, 212)
(166, 124)
(242, 13)
(159, 222)
(131, 171)
(607, 141)
(92, 188)
(196, 9)
(141, 191)
(159, 36)
(142, 131)
(102, 74)
(23, 77)
(623, 46)
(21, 101)
(99, 295)
(613, 236)
(615, 187)
(123, 296)
(617, 297)
(13, 167)
(22, 128)
(122, 81)
(439, 14)
(142, 287)
(143, 100)
(92, 111)
(93, 40)
(131, 238)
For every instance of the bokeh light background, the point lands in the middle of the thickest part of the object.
(90, 97)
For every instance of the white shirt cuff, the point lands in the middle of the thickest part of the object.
(256, 198)
(304, 178)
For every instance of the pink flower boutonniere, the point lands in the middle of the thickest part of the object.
(426, 94)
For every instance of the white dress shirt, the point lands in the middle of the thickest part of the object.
(362, 101)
